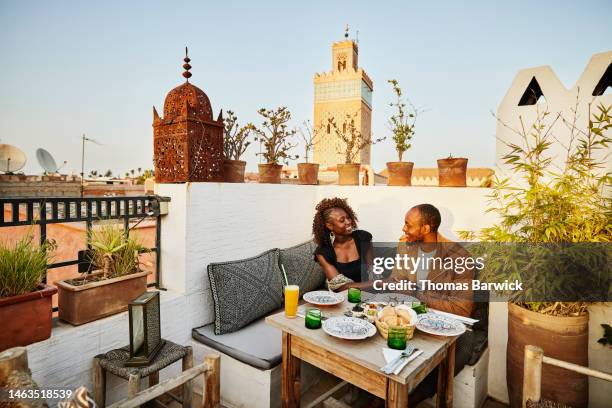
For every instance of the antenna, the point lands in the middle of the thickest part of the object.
(357, 36)
(12, 158)
(85, 139)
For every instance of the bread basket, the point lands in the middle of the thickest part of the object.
(384, 332)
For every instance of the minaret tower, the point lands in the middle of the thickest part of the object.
(346, 89)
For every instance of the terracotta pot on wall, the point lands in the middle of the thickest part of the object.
(91, 301)
(233, 171)
(564, 338)
(452, 172)
(26, 318)
(348, 174)
(308, 173)
(400, 173)
(270, 173)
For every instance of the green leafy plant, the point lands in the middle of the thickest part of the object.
(351, 141)
(403, 122)
(235, 137)
(113, 252)
(310, 136)
(23, 265)
(275, 135)
(556, 207)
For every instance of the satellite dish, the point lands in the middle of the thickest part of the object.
(11, 158)
(46, 161)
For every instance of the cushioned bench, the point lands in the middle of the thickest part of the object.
(258, 344)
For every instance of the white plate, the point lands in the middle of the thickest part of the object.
(349, 328)
(439, 325)
(323, 298)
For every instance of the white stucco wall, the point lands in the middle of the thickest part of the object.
(557, 99)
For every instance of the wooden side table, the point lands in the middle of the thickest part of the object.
(114, 362)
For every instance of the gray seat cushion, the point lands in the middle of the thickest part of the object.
(258, 344)
(245, 290)
(301, 268)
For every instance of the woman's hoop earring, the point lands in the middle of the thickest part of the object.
(332, 237)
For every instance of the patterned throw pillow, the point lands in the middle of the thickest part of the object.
(301, 268)
(245, 290)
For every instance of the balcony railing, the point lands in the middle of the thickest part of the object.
(43, 211)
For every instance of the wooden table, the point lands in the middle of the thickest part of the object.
(359, 361)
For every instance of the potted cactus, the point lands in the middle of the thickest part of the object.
(117, 278)
(351, 144)
(25, 301)
(235, 143)
(275, 137)
(402, 125)
(308, 173)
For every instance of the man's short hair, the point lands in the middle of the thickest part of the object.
(429, 216)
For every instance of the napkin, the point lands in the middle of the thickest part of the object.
(390, 354)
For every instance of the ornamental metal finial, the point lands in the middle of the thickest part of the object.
(186, 65)
(346, 29)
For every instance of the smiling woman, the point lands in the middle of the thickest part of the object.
(342, 249)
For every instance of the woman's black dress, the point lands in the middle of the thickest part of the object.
(353, 269)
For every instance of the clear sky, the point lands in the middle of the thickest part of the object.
(98, 67)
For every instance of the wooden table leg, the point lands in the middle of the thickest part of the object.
(290, 391)
(133, 385)
(187, 387)
(446, 379)
(397, 395)
(98, 376)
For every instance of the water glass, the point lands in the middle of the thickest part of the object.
(396, 337)
(354, 295)
(312, 320)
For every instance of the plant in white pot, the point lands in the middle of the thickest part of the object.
(402, 124)
(350, 144)
(235, 143)
(25, 301)
(308, 172)
(117, 278)
(553, 235)
(276, 137)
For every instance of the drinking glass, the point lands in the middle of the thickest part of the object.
(312, 320)
(396, 337)
(354, 295)
(292, 293)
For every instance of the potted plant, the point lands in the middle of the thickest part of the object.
(308, 173)
(25, 301)
(117, 279)
(350, 145)
(452, 171)
(402, 125)
(235, 144)
(275, 136)
(549, 221)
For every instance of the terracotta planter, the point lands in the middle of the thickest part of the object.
(348, 174)
(400, 173)
(452, 172)
(233, 171)
(308, 173)
(564, 338)
(270, 173)
(95, 300)
(26, 318)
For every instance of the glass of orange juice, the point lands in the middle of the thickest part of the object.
(292, 293)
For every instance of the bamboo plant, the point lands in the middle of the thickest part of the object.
(548, 208)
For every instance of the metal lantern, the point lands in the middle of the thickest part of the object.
(145, 329)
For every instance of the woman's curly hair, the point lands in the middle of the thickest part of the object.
(323, 211)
